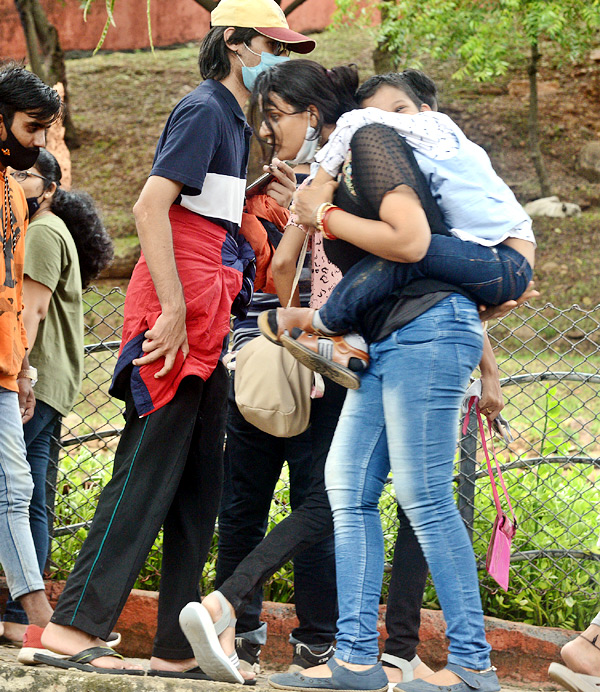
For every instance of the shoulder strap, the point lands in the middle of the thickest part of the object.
(489, 465)
(298, 269)
(474, 401)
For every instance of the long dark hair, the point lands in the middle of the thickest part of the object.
(78, 211)
(303, 83)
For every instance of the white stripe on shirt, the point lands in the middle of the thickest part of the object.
(222, 197)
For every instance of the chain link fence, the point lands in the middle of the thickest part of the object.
(549, 364)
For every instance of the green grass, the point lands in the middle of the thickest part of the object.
(120, 103)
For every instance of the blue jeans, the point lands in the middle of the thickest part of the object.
(17, 550)
(492, 275)
(38, 437)
(405, 417)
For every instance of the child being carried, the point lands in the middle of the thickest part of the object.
(489, 250)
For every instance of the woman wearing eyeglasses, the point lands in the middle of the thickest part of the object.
(66, 246)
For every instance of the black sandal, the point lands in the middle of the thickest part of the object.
(81, 661)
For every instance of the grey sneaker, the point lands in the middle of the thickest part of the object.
(469, 682)
(249, 655)
(342, 680)
(307, 657)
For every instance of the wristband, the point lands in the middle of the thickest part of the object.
(297, 225)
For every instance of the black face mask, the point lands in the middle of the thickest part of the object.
(33, 205)
(14, 154)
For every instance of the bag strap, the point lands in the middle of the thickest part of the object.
(474, 400)
(298, 269)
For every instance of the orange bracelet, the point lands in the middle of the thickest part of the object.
(326, 232)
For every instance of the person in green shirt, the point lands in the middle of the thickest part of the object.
(66, 246)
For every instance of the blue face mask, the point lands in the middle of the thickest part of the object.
(267, 60)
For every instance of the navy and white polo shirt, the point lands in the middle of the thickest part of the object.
(205, 146)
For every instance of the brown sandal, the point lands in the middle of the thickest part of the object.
(274, 323)
(332, 356)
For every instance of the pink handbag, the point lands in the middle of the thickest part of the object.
(497, 561)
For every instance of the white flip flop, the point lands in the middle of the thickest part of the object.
(575, 682)
(203, 635)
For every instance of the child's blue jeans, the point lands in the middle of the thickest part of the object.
(491, 275)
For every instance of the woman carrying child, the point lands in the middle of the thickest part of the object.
(424, 342)
(294, 110)
(489, 252)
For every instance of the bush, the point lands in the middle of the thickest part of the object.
(546, 499)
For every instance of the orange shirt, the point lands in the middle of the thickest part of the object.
(13, 340)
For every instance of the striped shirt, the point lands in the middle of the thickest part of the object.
(204, 147)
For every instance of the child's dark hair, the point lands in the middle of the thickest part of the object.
(415, 84)
(23, 91)
(302, 83)
(78, 211)
(213, 59)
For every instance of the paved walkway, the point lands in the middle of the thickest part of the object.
(16, 678)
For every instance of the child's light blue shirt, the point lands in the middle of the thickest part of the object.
(476, 204)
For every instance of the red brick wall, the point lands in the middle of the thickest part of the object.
(173, 21)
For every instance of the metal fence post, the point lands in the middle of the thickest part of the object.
(51, 483)
(467, 473)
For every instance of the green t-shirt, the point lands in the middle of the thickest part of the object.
(51, 259)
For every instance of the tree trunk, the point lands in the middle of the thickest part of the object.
(383, 59)
(45, 55)
(534, 122)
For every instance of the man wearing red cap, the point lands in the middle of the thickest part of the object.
(195, 269)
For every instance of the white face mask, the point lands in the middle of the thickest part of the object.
(309, 147)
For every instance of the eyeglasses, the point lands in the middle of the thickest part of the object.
(280, 49)
(21, 176)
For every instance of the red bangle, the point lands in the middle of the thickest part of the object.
(326, 232)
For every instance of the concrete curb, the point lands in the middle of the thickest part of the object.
(17, 678)
(522, 653)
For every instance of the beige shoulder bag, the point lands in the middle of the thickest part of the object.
(272, 389)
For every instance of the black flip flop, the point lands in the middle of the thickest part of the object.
(190, 674)
(5, 641)
(81, 661)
